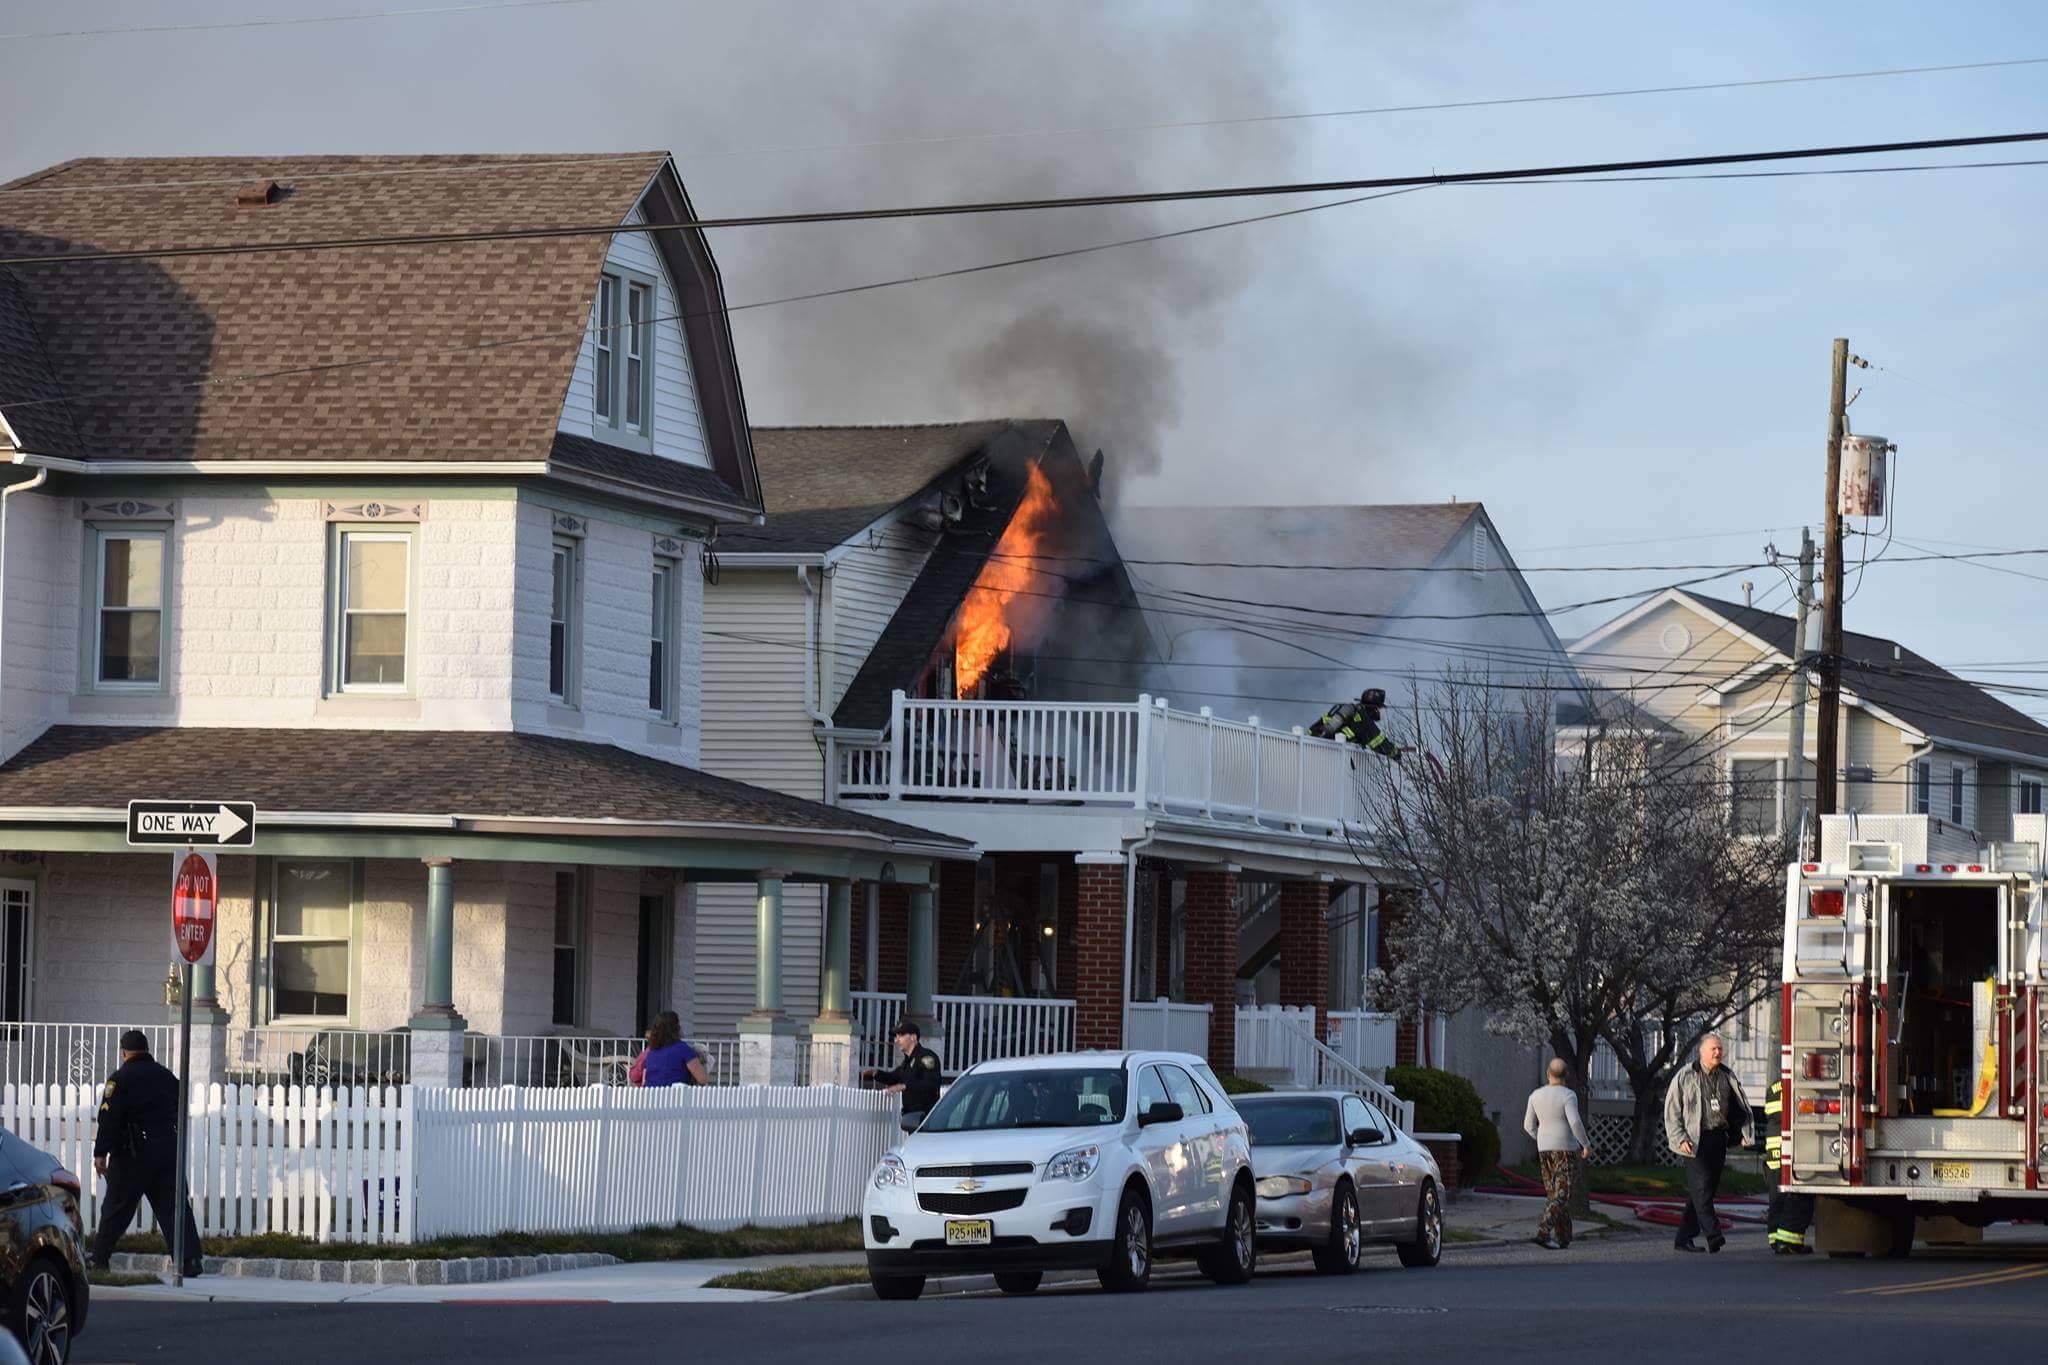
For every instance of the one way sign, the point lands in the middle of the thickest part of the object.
(213, 824)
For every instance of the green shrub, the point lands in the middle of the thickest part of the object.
(1234, 1084)
(1445, 1102)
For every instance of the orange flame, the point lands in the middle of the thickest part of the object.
(985, 617)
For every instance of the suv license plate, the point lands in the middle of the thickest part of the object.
(1952, 1172)
(977, 1232)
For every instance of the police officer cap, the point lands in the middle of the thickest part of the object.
(135, 1040)
(1373, 696)
(909, 1027)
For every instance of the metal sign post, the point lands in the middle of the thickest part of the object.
(184, 1122)
(195, 888)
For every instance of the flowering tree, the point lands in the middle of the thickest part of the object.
(1572, 896)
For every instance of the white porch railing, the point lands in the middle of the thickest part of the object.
(279, 1055)
(1167, 1025)
(1364, 1038)
(1139, 754)
(72, 1054)
(1283, 1037)
(571, 1060)
(972, 1028)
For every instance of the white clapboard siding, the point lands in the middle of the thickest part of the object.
(605, 1158)
(321, 1163)
(724, 956)
(755, 726)
(678, 418)
(866, 587)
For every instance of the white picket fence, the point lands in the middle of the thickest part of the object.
(1277, 1038)
(602, 1158)
(330, 1165)
(1364, 1038)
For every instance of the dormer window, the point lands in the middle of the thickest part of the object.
(622, 359)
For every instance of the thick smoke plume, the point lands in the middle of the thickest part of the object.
(1091, 339)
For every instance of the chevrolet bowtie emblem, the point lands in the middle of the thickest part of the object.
(968, 1186)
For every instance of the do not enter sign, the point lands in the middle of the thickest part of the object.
(194, 888)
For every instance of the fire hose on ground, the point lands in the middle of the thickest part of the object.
(1658, 1209)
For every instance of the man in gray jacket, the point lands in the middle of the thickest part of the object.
(1705, 1114)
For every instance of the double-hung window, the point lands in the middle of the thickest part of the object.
(1923, 779)
(622, 357)
(312, 929)
(660, 634)
(128, 609)
(2027, 796)
(563, 623)
(1755, 782)
(1955, 793)
(373, 608)
(569, 919)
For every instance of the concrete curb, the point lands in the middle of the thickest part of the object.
(460, 1270)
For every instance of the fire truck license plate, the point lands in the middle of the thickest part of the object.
(1951, 1172)
(965, 1233)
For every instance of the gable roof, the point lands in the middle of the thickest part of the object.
(390, 345)
(1891, 678)
(914, 633)
(824, 485)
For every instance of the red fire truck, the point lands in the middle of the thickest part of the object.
(1913, 1024)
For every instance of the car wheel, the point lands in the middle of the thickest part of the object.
(1234, 1261)
(1340, 1256)
(1428, 1247)
(1129, 1267)
(1019, 1281)
(896, 1286)
(42, 1312)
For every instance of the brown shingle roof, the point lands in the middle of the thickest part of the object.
(442, 772)
(139, 346)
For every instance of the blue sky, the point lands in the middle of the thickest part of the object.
(1599, 363)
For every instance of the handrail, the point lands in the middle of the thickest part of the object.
(1351, 1077)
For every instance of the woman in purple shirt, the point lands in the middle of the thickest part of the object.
(668, 1060)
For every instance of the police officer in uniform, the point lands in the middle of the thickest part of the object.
(136, 1149)
(916, 1078)
(1790, 1214)
(1358, 722)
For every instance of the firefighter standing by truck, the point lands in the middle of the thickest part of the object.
(1790, 1215)
(1358, 722)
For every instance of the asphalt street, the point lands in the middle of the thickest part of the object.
(1626, 1298)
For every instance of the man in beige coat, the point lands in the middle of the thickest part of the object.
(1705, 1114)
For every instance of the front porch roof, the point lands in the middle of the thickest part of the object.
(470, 793)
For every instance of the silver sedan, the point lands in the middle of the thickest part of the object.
(1335, 1175)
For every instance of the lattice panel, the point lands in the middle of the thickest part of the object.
(1611, 1133)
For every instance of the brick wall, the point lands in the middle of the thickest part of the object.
(1212, 959)
(1305, 948)
(1446, 1153)
(1097, 983)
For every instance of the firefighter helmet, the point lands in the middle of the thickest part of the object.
(1373, 696)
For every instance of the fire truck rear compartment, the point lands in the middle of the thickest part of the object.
(1945, 948)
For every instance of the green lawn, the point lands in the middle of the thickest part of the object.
(642, 1244)
(791, 1279)
(1454, 1235)
(1664, 1182)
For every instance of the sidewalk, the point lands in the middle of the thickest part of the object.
(640, 1282)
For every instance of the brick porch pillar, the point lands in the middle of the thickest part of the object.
(1098, 954)
(1305, 948)
(1212, 958)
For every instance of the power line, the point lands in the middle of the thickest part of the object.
(309, 19)
(1124, 199)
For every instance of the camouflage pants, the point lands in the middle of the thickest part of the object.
(1559, 1170)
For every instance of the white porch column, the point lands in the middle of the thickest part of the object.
(437, 1029)
(832, 1030)
(768, 1038)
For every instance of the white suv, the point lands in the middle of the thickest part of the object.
(1093, 1160)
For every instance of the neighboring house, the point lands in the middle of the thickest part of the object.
(407, 546)
(1714, 677)
(1393, 596)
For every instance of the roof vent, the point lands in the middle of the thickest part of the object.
(256, 193)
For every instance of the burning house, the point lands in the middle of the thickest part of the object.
(933, 622)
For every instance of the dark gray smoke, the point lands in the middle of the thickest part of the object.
(1091, 339)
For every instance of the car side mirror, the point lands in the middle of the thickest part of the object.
(911, 1121)
(1163, 1112)
(1365, 1137)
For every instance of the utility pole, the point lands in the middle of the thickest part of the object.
(1795, 756)
(1828, 760)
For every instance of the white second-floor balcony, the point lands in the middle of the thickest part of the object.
(1139, 757)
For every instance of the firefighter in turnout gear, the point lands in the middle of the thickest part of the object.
(1358, 722)
(1790, 1214)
